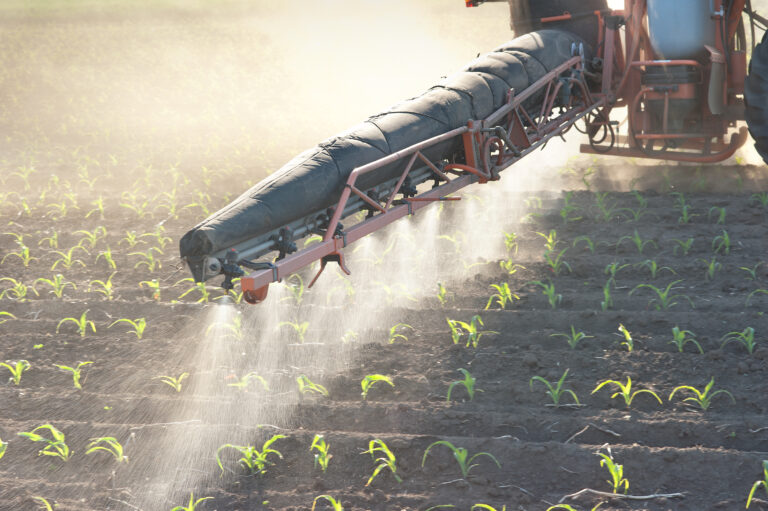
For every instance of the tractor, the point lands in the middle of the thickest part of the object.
(657, 79)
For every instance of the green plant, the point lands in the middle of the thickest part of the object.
(607, 211)
(109, 445)
(628, 342)
(91, 237)
(555, 391)
(509, 266)
(55, 446)
(761, 198)
(443, 295)
(99, 203)
(395, 335)
(386, 459)
(574, 338)
(664, 298)
(367, 382)
(654, 268)
(682, 337)
(159, 236)
(468, 382)
(105, 287)
(196, 286)
(625, 391)
(52, 240)
(510, 242)
(607, 302)
(3, 448)
(7, 314)
(174, 383)
(300, 329)
(131, 238)
(550, 240)
(44, 504)
(243, 382)
(335, 504)
(567, 507)
(712, 267)
(548, 290)
(486, 507)
(149, 261)
(18, 289)
(719, 213)
(684, 246)
(322, 457)
(82, 324)
(16, 367)
(701, 398)
(57, 283)
(685, 215)
(587, 241)
(192, 503)
(613, 269)
(557, 263)
(67, 259)
(722, 242)
(568, 209)
(746, 338)
(22, 253)
(760, 482)
(253, 460)
(639, 243)
(502, 296)
(471, 329)
(616, 472)
(755, 292)
(752, 271)
(307, 385)
(295, 286)
(75, 371)
(154, 286)
(107, 255)
(461, 455)
(138, 324)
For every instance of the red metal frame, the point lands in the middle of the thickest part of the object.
(490, 146)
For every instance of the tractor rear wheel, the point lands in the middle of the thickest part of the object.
(756, 97)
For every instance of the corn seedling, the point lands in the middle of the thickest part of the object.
(253, 460)
(503, 296)
(702, 398)
(3, 448)
(149, 260)
(587, 241)
(308, 386)
(107, 255)
(625, 391)
(752, 272)
(82, 324)
(711, 268)
(91, 237)
(18, 290)
(633, 215)
(746, 338)
(471, 329)
(57, 284)
(131, 238)
(322, 456)
(613, 269)
(295, 286)
(138, 325)
(335, 504)
(99, 208)
(468, 382)
(574, 338)
(52, 240)
(509, 266)
(8, 315)
(192, 505)
(616, 472)
(367, 382)
(682, 337)
(386, 459)
(510, 242)
(555, 391)
(196, 286)
(760, 482)
(16, 367)
(55, 446)
(461, 455)
(607, 211)
(654, 268)
(664, 298)
(557, 263)
(76, 371)
(628, 342)
(103, 287)
(548, 289)
(486, 507)
(174, 383)
(722, 242)
(568, 210)
(550, 240)
(299, 328)
(639, 243)
(395, 335)
(67, 259)
(443, 295)
(719, 213)
(109, 445)
(685, 209)
(44, 504)
(568, 507)
(760, 198)
(683, 246)
(243, 382)
(756, 292)
(154, 286)
(22, 253)
(158, 235)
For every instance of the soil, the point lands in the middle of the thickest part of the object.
(703, 459)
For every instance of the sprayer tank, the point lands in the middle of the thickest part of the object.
(679, 29)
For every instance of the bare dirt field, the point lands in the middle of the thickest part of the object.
(645, 247)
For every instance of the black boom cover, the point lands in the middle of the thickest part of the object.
(314, 180)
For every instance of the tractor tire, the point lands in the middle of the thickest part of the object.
(756, 97)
